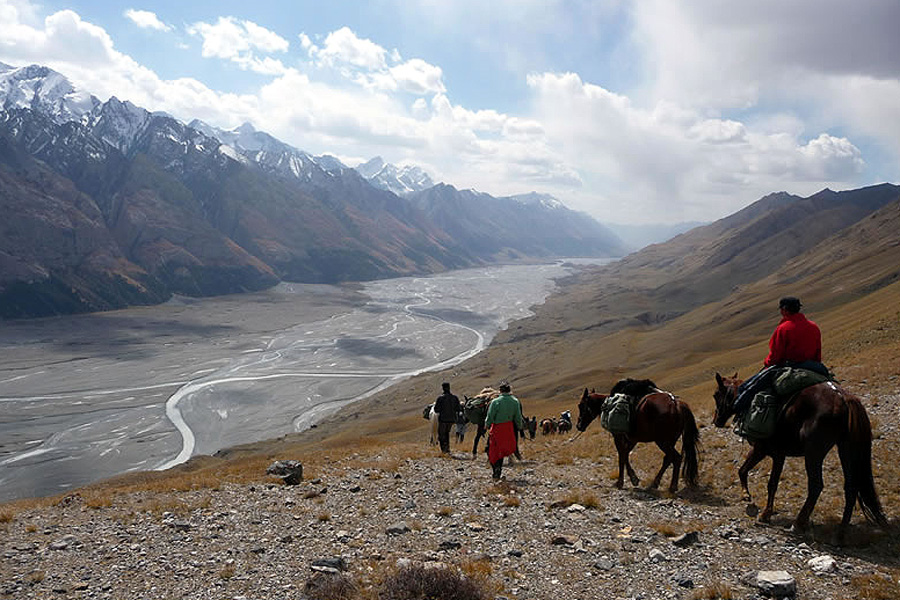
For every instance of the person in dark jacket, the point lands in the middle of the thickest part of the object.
(796, 342)
(446, 407)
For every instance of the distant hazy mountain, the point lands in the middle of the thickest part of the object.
(636, 237)
(513, 226)
(400, 180)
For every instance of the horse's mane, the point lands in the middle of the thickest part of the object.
(636, 388)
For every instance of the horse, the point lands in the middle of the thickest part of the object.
(548, 426)
(564, 425)
(433, 418)
(816, 419)
(531, 426)
(658, 417)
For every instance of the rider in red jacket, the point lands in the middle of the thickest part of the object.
(796, 341)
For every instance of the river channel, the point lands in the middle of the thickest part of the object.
(86, 397)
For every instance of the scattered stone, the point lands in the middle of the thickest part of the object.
(576, 508)
(475, 526)
(605, 564)
(290, 471)
(450, 545)
(779, 584)
(563, 540)
(398, 529)
(329, 565)
(656, 555)
(686, 539)
(683, 581)
(63, 543)
(822, 564)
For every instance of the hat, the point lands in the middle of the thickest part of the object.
(790, 304)
(503, 386)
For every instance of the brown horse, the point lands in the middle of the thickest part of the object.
(818, 418)
(658, 417)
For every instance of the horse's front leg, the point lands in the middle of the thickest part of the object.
(625, 446)
(774, 477)
(753, 458)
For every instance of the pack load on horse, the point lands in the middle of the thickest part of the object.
(759, 420)
(658, 417)
(475, 408)
(616, 413)
(548, 426)
(564, 425)
(816, 419)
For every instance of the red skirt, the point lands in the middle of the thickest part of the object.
(502, 441)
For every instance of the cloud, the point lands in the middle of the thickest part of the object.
(146, 20)
(654, 159)
(418, 77)
(239, 41)
(344, 47)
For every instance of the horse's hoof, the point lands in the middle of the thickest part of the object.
(751, 510)
(799, 528)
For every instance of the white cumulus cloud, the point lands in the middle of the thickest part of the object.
(241, 41)
(146, 20)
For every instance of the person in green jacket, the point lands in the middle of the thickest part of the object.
(503, 420)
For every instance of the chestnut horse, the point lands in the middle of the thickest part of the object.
(819, 417)
(658, 417)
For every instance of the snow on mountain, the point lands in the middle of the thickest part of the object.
(44, 90)
(400, 180)
(246, 143)
(542, 200)
(118, 123)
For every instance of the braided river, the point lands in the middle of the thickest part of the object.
(86, 397)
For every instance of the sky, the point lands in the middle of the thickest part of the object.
(637, 112)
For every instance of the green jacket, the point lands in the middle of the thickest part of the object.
(503, 408)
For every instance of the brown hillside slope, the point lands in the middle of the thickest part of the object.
(603, 325)
(597, 330)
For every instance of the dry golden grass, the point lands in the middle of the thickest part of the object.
(876, 587)
(714, 591)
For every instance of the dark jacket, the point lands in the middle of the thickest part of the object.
(446, 406)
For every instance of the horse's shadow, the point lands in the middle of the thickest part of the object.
(701, 495)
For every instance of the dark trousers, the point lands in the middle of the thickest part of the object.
(751, 387)
(498, 468)
(444, 435)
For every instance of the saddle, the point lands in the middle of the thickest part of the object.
(767, 406)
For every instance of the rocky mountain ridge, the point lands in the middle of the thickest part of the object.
(195, 210)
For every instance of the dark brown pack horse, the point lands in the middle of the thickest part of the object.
(819, 417)
(659, 417)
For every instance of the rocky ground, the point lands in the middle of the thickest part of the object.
(554, 527)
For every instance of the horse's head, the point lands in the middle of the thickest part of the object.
(588, 409)
(725, 393)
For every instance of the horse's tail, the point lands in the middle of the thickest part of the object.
(860, 462)
(690, 443)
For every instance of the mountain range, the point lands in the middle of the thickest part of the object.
(108, 205)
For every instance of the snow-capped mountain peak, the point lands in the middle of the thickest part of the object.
(45, 91)
(535, 199)
(400, 180)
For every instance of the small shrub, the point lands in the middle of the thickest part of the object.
(715, 591)
(511, 501)
(875, 587)
(6, 516)
(419, 583)
(327, 586)
(444, 511)
(35, 577)
(227, 572)
(324, 517)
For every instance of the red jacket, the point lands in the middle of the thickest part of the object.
(796, 339)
